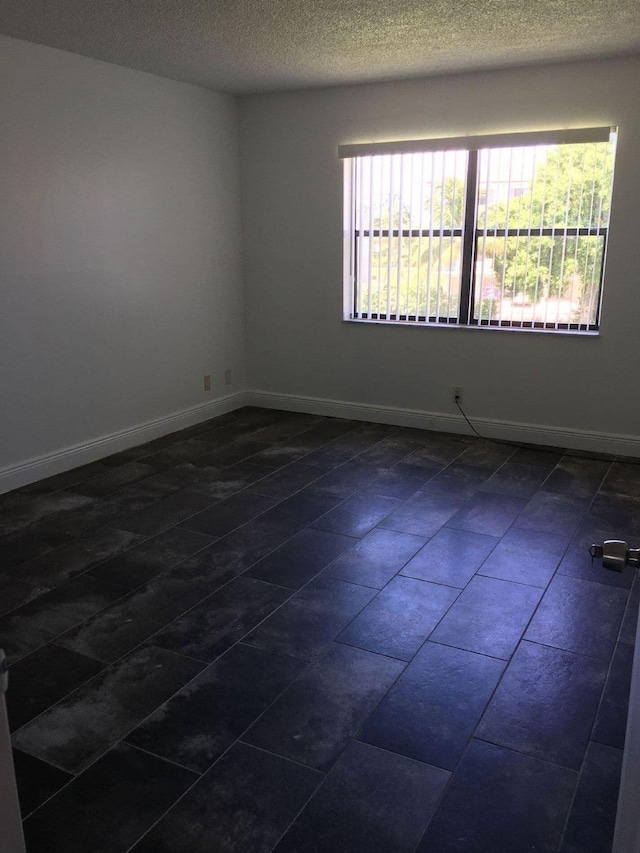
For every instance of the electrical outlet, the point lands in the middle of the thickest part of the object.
(456, 395)
(207, 382)
(227, 377)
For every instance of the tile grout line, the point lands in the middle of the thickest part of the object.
(493, 693)
(294, 591)
(237, 740)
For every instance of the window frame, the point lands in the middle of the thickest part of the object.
(469, 232)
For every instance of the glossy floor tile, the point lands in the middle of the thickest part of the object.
(580, 477)
(44, 677)
(438, 449)
(514, 478)
(432, 711)
(592, 822)
(372, 800)
(165, 513)
(280, 631)
(611, 722)
(77, 557)
(46, 617)
(458, 480)
(486, 454)
(109, 806)
(525, 556)
(36, 781)
(203, 719)
(615, 512)
(630, 620)
(579, 616)
(14, 593)
(392, 449)
(548, 512)
(401, 481)
(40, 509)
(358, 514)
(151, 558)
(287, 481)
(422, 515)
(217, 483)
(622, 479)
(375, 559)
(546, 704)
(245, 802)
(346, 479)
(309, 621)
(488, 513)
(80, 728)
(213, 626)
(451, 557)
(301, 558)
(225, 516)
(398, 621)
(316, 717)
(501, 800)
(295, 513)
(112, 479)
(118, 629)
(488, 617)
(16, 548)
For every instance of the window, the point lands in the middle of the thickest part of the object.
(501, 231)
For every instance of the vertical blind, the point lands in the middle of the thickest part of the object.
(499, 236)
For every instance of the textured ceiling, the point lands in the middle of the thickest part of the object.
(246, 46)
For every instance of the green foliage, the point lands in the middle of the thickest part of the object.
(448, 204)
(571, 189)
(411, 275)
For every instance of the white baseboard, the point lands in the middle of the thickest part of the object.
(575, 439)
(32, 470)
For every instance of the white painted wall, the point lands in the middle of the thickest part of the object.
(120, 263)
(121, 279)
(292, 220)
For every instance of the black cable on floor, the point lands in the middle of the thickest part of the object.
(469, 422)
(605, 457)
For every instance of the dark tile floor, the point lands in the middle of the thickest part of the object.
(275, 631)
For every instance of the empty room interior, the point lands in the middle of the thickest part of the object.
(318, 383)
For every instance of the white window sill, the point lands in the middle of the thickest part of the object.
(472, 327)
